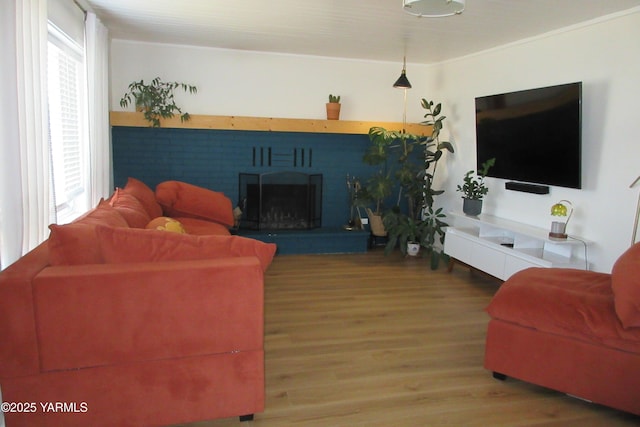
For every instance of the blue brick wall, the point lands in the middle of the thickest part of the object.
(214, 158)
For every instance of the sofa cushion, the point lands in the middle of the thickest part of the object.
(567, 302)
(103, 214)
(119, 245)
(145, 195)
(75, 243)
(180, 199)
(130, 208)
(203, 227)
(625, 282)
(122, 318)
(164, 223)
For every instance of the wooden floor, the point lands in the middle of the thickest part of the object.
(369, 340)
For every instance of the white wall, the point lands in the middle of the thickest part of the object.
(603, 55)
(241, 83)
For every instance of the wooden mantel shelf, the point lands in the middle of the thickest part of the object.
(123, 118)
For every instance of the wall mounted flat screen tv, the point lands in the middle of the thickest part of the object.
(535, 135)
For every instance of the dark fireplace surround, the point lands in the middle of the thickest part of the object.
(280, 201)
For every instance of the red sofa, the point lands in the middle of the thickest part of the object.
(574, 331)
(107, 324)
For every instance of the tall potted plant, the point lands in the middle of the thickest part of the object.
(404, 231)
(376, 190)
(156, 100)
(414, 170)
(379, 186)
(474, 189)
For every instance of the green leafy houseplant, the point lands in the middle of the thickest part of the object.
(473, 187)
(434, 150)
(156, 99)
(376, 189)
(403, 229)
(412, 161)
(385, 147)
(334, 99)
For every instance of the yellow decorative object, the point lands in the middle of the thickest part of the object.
(559, 210)
(164, 223)
(558, 228)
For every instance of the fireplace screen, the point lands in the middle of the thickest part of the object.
(280, 201)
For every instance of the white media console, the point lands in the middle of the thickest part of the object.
(502, 247)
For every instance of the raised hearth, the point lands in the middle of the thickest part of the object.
(315, 241)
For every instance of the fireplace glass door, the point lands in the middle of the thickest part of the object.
(280, 200)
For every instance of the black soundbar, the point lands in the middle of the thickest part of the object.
(527, 188)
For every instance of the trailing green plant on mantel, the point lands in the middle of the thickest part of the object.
(155, 99)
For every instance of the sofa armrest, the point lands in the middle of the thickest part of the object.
(18, 344)
(114, 313)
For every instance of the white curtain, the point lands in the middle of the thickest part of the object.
(10, 200)
(97, 57)
(25, 185)
(24, 199)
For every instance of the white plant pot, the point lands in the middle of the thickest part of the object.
(413, 249)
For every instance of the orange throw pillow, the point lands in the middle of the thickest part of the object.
(103, 214)
(73, 244)
(120, 245)
(179, 199)
(130, 208)
(203, 227)
(145, 195)
(76, 243)
(625, 284)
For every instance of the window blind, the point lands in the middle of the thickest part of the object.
(67, 106)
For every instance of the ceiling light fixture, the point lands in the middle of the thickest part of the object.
(433, 8)
(403, 81)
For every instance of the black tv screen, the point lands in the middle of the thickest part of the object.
(535, 135)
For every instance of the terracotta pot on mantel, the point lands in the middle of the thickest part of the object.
(333, 111)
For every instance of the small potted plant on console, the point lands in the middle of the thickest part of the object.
(474, 189)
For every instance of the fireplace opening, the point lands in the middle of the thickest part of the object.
(280, 200)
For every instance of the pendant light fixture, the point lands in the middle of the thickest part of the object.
(433, 8)
(403, 81)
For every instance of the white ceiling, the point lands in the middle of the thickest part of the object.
(361, 29)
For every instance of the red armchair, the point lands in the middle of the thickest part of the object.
(574, 331)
